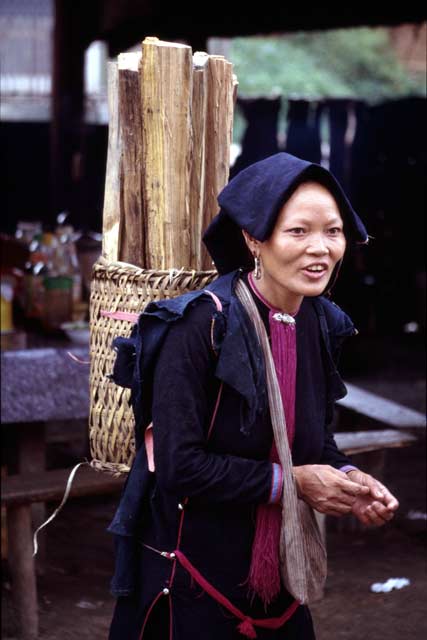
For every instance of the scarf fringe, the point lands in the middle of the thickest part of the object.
(264, 574)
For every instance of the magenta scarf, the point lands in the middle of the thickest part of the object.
(264, 573)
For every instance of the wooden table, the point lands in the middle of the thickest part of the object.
(40, 383)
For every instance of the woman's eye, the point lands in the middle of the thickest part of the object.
(334, 231)
(297, 231)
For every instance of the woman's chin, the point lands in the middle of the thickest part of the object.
(312, 289)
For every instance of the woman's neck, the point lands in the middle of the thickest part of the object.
(276, 297)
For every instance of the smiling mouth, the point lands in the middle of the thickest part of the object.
(315, 268)
(315, 271)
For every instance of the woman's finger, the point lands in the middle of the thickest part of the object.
(382, 511)
(338, 506)
(353, 488)
(346, 498)
(362, 517)
(381, 492)
(374, 517)
(390, 501)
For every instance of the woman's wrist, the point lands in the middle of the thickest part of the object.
(297, 473)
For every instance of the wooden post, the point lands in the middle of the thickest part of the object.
(198, 165)
(219, 128)
(111, 214)
(166, 88)
(24, 587)
(32, 459)
(132, 236)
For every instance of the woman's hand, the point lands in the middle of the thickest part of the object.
(377, 507)
(327, 490)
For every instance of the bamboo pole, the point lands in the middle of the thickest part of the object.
(166, 89)
(132, 236)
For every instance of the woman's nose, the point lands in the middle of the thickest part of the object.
(318, 245)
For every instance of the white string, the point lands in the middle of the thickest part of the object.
(76, 359)
(58, 509)
(174, 273)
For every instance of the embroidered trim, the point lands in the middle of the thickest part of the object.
(276, 484)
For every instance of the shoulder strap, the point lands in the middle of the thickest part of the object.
(215, 298)
(292, 536)
(133, 317)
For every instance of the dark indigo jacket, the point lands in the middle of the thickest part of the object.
(239, 365)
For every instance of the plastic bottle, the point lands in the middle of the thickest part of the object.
(58, 284)
(35, 272)
(68, 261)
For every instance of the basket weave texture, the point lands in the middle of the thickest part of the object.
(118, 286)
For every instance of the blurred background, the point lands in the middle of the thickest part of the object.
(344, 87)
(346, 90)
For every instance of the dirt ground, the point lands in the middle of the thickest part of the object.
(74, 591)
(75, 603)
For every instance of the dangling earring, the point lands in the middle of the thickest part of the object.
(257, 273)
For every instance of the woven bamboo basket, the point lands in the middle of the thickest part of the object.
(118, 286)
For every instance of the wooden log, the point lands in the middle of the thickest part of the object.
(21, 561)
(219, 128)
(166, 88)
(111, 213)
(132, 236)
(197, 176)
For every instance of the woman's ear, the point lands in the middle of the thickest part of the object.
(252, 243)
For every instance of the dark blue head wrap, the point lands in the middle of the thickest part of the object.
(252, 200)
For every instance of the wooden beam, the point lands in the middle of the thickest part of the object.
(72, 31)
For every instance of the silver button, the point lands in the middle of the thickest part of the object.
(165, 591)
(284, 317)
(180, 506)
(172, 555)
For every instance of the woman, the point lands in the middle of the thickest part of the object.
(197, 526)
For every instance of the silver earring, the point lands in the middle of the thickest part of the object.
(257, 272)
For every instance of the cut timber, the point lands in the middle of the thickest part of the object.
(132, 236)
(111, 214)
(166, 93)
(219, 127)
(197, 176)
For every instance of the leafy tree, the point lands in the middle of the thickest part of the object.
(345, 63)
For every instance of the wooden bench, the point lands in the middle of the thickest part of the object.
(356, 442)
(369, 447)
(18, 493)
(387, 412)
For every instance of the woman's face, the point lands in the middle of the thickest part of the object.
(298, 258)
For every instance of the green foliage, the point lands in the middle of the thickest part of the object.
(344, 63)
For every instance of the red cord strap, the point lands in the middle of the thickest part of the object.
(248, 624)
